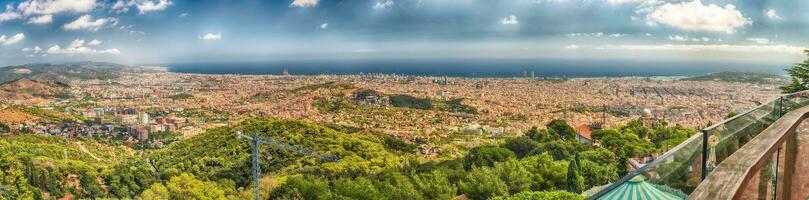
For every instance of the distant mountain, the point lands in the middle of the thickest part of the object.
(33, 90)
(741, 77)
(80, 70)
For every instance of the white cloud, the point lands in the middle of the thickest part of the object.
(511, 19)
(572, 46)
(94, 43)
(695, 16)
(211, 36)
(87, 22)
(596, 34)
(617, 35)
(183, 15)
(48, 7)
(772, 14)
(783, 49)
(685, 38)
(383, 5)
(619, 2)
(44, 19)
(148, 5)
(5, 40)
(303, 3)
(131, 30)
(9, 14)
(122, 6)
(35, 50)
(681, 38)
(143, 6)
(76, 47)
(324, 25)
(759, 40)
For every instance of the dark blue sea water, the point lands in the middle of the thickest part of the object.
(477, 67)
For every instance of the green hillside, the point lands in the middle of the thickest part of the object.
(79, 70)
(741, 77)
(54, 165)
(218, 154)
(217, 165)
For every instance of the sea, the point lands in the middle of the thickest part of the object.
(476, 67)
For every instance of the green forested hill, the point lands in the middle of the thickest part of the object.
(35, 166)
(80, 70)
(741, 77)
(54, 165)
(218, 154)
(546, 163)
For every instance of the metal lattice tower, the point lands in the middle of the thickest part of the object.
(256, 168)
(256, 142)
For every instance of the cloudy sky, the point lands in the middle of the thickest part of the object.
(175, 31)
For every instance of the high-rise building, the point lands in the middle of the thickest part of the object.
(144, 118)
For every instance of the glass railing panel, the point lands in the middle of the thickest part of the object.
(679, 171)
(794, 101)
(724, 139)
(673, 175)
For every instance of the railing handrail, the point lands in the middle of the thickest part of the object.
(733, 173)
(749, 111)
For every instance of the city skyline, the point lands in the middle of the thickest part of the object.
(166, 31)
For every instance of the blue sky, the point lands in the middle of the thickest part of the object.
(174, 31)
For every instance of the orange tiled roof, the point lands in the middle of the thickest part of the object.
(585, 131)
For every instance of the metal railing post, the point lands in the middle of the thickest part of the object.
(780, 106)
(704, 154)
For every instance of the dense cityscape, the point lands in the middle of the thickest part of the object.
(140, 103)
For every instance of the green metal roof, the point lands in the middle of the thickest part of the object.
(638, 188)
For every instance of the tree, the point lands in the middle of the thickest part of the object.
(799, 77)
(482, 183)
(597, 174)
(516, 177)
(599, 156)
(398, 186)
(487, 156)
(539, 135)
(562, 129)
(622, 168)
(185, 186)
(435, 185)
(521, 146)
(358, 188)
(559, 149)
(14, 185)
(547, 174)
(575, 182)
(156, 191)
(304, 187)
(129, 178)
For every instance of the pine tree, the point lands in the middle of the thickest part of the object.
(575, 182)
(799, 75)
